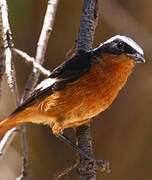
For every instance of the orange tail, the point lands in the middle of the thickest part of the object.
(8, 124)
(26, 115)
(12, 121)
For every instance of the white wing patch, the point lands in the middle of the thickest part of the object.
(127, 40)
(46, 83)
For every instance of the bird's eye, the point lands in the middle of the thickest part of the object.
(120, 45)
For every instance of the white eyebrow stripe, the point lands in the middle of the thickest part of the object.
(127, 40)
(46, 83)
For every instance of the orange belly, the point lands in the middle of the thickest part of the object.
(85, 98)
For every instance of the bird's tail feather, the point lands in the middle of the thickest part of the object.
(8, 124)
(15, 120)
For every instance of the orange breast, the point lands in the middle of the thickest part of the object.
(88, 96)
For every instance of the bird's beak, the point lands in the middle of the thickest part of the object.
(137, 57)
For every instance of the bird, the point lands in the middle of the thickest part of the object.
(80, 88)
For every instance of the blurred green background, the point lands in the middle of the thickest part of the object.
(123, 133)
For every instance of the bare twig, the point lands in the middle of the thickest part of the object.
(24, 171)
(100, 164)
(64, 172)
(42, 44)
(2, 67)
(88, 23)
(10, 72)
(87, 168)
(2, 49)
(29, 59)
(33, 78)
(7, 139)
(46, 30)
(7, 43)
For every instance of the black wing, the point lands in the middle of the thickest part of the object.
(74, 68)
(68, 72)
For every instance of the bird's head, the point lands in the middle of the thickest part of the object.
(120, 49)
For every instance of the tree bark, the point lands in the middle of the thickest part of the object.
(89, 19)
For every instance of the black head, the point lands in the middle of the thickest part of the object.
(118, 45)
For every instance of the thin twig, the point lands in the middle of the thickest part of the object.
(46, 30)
(33, 78)
(2, 49)
(10, 72)
(64, 172)
(7, 139)
(29, 59)
(42, 44)
(24, 170)
(7, 40)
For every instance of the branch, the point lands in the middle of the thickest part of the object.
(41, 45)
(29, 59)
(87, 168)
(33, 78)
(2, 50)
(65, 171)
(41, 49)
(7, 44)
(24, 170)
(88, 23)
(7, 139)
(6, 54)
(46, 30)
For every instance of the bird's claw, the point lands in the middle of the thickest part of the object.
(103, 165)
(57, 129)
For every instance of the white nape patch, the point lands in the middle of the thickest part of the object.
(45, 83)
(127, 40)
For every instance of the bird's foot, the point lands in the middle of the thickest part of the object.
(57, 128)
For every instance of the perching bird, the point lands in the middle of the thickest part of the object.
(80, 88)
